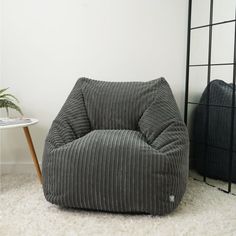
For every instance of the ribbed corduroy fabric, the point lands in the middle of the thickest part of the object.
(218, 140)
(119, 147)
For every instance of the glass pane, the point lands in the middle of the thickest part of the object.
(219, 133)
(199, 46)
(222, 73)
(233, 187)
(200, 12)
(197, 82)
(224, 10)
(191, 112)
(222, 183)
(223, 43)
(194, 157)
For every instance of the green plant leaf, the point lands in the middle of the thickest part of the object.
(3, 90)
(9, 104)
(6, 95)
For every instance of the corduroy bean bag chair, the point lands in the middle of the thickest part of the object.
(218, 140)
(118, 147)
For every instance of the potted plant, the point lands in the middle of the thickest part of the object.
(8, 101)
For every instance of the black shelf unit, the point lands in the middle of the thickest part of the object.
(209, 65)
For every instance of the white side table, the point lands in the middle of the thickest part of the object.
(29, 141)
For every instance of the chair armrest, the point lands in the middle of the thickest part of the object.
(72, 121)
(173, 139)
(166, 132)
(160, 114)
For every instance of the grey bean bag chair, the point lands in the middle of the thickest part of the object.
(217, 153)
(118, 147)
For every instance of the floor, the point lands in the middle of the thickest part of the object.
(204, 210)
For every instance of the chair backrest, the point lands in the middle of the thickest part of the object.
(117, 105)
(148, 107)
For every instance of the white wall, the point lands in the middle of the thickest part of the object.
(48, 44)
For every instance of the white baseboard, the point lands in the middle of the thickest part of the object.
(8, 168)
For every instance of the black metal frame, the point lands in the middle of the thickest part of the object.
(209, 65)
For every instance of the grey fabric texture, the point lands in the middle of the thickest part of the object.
(118, 147)
(219, 130)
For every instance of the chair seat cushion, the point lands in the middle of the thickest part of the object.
(111, 170)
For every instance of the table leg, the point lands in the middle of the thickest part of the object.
(33, 153)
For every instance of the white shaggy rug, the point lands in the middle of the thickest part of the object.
(24, 211)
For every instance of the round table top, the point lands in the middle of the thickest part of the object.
(15, 123)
